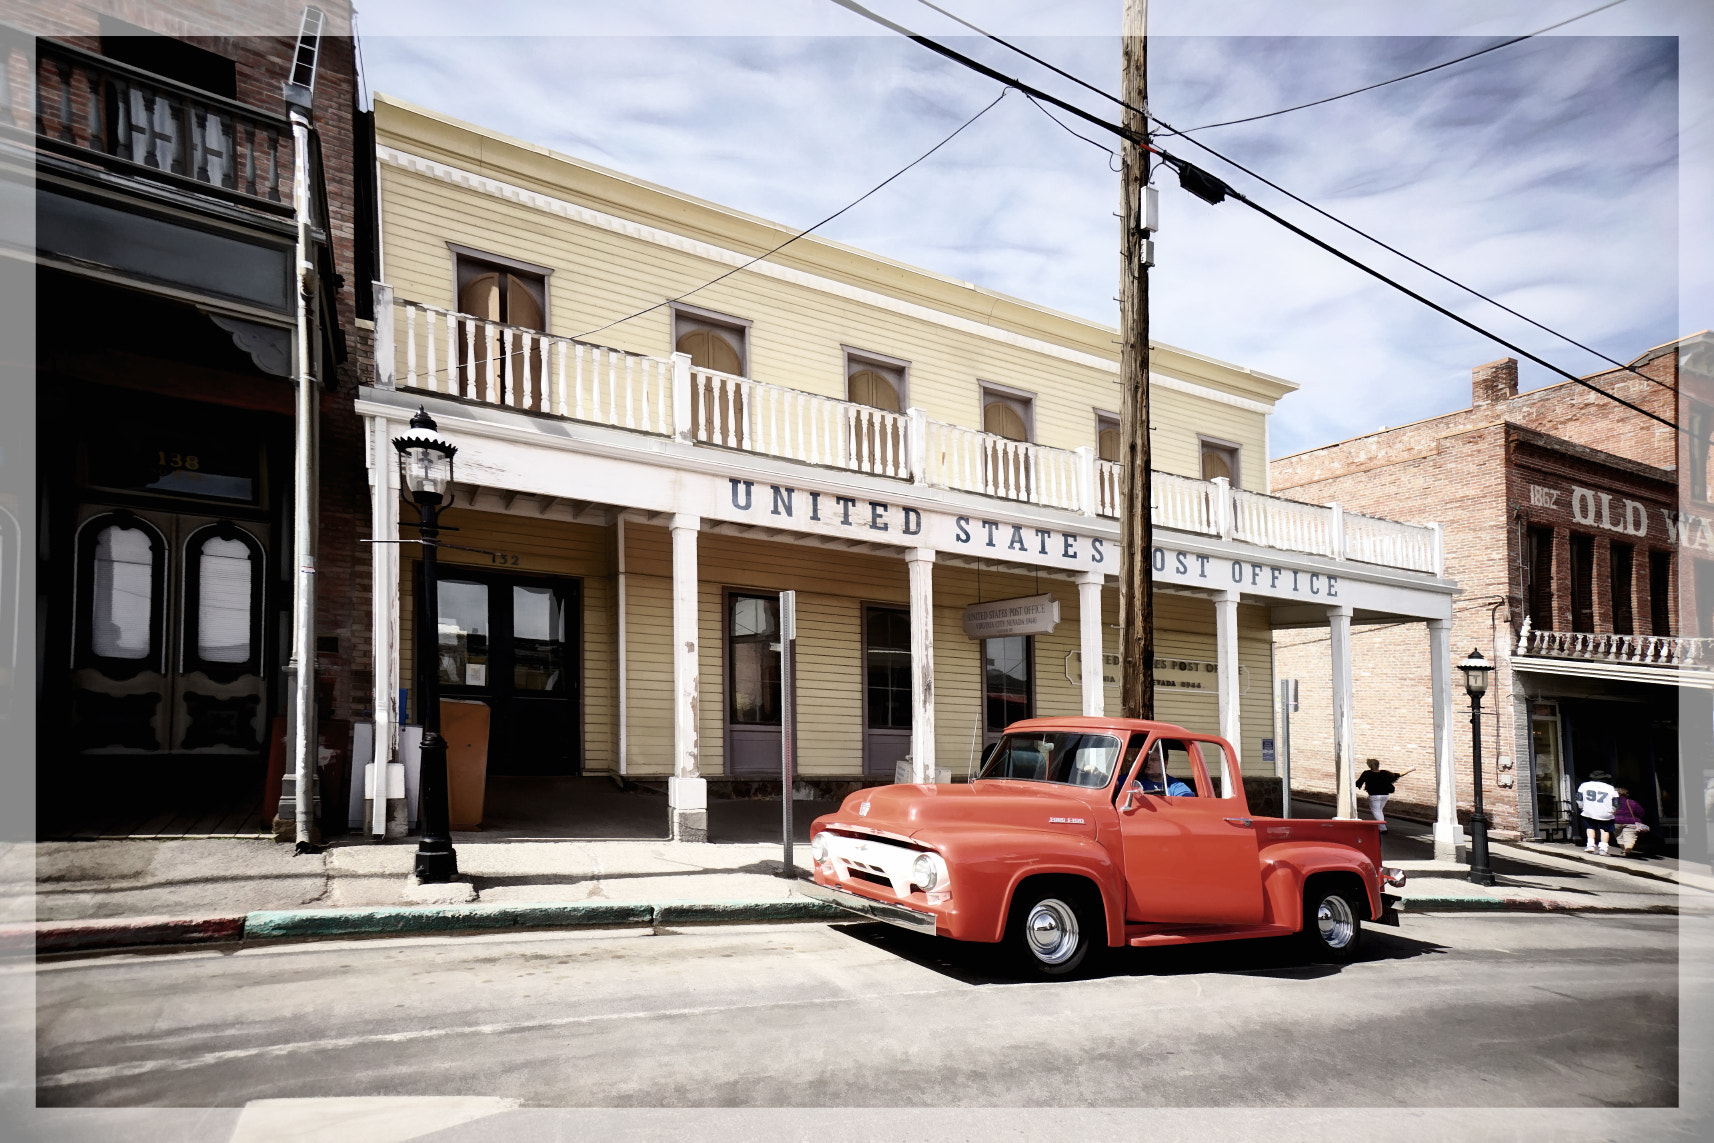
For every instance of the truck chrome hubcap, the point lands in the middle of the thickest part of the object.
(1333, 917)
(1051, 929)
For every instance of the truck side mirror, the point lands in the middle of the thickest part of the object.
(1130, 802)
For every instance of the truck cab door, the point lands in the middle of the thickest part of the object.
(1188, 859)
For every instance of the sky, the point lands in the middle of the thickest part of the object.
(1550, 174)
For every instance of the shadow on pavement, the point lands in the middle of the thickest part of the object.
(1279, 957)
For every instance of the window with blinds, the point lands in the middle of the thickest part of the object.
(123, 599)
(226, 585)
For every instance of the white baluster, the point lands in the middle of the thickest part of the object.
(630, 413)
(434, 381)
(452, 385)
(411, 346)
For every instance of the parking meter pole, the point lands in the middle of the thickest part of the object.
(788, 722)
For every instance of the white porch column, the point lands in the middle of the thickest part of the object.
(384, 778)
(687, 790)
(1339, 628)
(1226, 663)
(921, 564)
(1089, 625)
(1448, 837)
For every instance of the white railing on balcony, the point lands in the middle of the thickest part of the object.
(737, 412)
(1272, 522)
(1643, 650)
(1183, 504)
(972, 461)
(428, 348)
(498, 364)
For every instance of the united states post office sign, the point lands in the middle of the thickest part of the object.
(1026, 615)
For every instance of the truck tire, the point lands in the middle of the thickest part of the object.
(1332, 923)
(1053, 931)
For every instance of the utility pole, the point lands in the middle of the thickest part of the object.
(1137, 531)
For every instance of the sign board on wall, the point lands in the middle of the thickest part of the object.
(1026, 615)
(1196, 676)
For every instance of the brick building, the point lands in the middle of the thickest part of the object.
(1565, 527)
(158, 143)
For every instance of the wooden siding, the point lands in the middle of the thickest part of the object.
(798, 333)
(832, 587)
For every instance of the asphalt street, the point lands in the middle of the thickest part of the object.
(1448, 1011)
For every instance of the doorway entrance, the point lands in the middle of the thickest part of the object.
(514, 644)
(753, 710)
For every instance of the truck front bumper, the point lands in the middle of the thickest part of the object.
(901, 915)
(1389, 909)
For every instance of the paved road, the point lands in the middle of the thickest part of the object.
(1547, 1011)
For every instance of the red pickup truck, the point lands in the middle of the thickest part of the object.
(1083, 834)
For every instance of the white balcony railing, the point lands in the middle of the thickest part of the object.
(770, 420)
(427, 348)
(497, 364)
(973, 461)
(1643, 650)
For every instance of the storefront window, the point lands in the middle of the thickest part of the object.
(887, 668)
(754, 655)
(1007, 681)
(225, 589)
(538, 638)
(122, 608)
(464, 633)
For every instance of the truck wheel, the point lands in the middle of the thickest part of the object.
(1332, 925)
(1050, 932)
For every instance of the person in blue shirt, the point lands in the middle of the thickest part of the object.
(1156, 781)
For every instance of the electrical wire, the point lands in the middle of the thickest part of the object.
(1111, 154)
(808, 230)
(1180, 164)
(1396, 78)
(1185, 134)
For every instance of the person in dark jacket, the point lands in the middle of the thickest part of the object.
(1379, 785)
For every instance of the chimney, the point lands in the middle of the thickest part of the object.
(1495, 382)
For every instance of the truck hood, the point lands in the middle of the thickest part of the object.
(913, 809)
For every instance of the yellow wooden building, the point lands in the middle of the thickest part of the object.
(897, 447)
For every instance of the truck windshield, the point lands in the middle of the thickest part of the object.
(1055, 756)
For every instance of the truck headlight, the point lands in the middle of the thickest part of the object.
(818, 848)
(925, 873)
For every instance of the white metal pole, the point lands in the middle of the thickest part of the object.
(1089, 631)
(921, 565)
(1339, 631)
(302, 666)
(624, 696)
(788, 720)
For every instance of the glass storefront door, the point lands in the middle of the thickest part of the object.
(511, 642)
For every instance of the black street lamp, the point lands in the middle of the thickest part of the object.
(1476, 670)
(425, 475)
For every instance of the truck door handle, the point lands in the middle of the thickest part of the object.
(1245, 822)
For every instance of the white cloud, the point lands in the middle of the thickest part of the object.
(1544, 173)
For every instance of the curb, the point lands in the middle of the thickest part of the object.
(401, 920)
(1518, 905)
(1694, 881)
(131, 932)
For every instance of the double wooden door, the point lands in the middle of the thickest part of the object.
(168, 640)
(513, 642)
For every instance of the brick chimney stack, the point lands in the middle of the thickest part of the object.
(1494, 383)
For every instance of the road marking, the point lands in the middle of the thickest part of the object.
(208, 1059)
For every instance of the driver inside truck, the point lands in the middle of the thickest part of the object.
(1156, 780)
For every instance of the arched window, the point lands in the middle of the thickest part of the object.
(716, 405)
(223, 602)
(121, 573)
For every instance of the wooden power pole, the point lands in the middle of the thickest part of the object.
(1137, 532)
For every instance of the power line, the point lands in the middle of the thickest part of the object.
(1171, 130)
(769, 254)
(1396, 78)
(1208, 183)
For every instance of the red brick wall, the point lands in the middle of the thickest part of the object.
(1461, 471)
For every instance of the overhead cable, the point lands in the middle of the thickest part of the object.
(807, 230)
(1206, 180)
(1185, 134)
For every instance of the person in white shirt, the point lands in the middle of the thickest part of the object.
(1596, 800)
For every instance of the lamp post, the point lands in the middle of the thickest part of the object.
(425, 474)
(1476, 670)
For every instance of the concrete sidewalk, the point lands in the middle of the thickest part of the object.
(85, 894)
